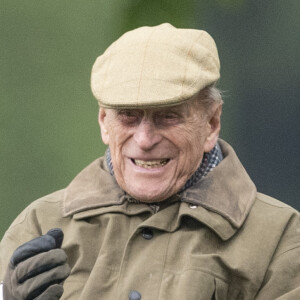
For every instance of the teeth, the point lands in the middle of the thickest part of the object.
(151, 163)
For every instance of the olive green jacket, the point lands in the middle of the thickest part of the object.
(219, 239)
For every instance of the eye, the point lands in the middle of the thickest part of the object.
(126, 113)
(169, 116)
(166, 118)
(129, 115)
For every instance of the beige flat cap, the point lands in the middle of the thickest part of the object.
(155, 66)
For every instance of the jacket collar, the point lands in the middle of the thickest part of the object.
(92, 188)
(223, 197)
(227, 190)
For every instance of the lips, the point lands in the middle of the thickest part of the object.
(150, 164)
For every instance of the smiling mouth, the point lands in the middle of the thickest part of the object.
(150, 164)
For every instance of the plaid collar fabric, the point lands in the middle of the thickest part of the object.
(109, 162)
(209, 162)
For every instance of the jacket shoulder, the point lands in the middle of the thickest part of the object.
(282, 231)
(277, 221)
(272, 201)
(272, 213)
(35, 220)
(36, 217)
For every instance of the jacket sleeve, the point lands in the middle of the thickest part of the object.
(18, 233)
(35, 220)
(282, 279)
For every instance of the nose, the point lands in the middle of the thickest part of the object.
(146, 135)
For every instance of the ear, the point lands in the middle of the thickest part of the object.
(214, 127)
(102, 122)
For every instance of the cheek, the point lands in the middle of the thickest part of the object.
(117, 134)
(192, 139)
(191, 148)
(104, 136)
(118, 138)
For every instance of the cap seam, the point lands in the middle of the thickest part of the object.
(142, 67)
(186, 59)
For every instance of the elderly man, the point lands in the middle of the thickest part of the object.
(169, 212)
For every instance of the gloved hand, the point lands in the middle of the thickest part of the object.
(37, 269)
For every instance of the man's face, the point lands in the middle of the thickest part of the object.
(154, 151)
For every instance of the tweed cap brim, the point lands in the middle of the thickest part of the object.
(155, 66)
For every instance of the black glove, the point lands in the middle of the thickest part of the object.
(37, 269)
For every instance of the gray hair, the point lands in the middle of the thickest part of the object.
(210, 95)
(207, 97)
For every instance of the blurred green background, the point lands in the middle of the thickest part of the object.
(48, 117)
